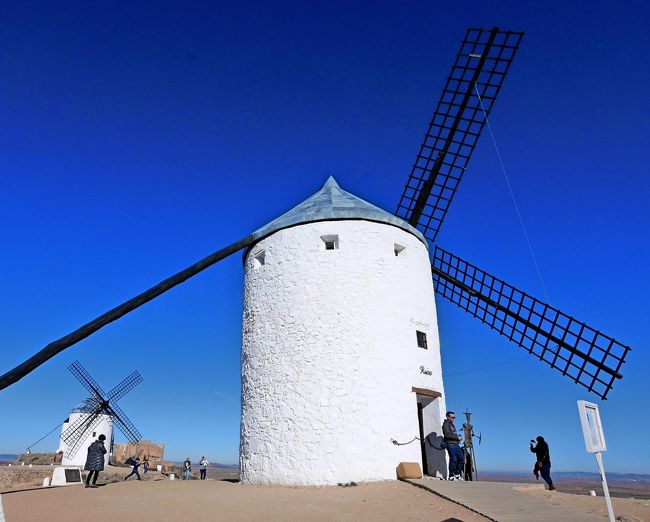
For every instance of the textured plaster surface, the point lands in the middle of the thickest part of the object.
(330, 354)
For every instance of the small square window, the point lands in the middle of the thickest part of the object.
(422, 339)
(94, 434)
(398, 249)
(331, 242)
(259, 259)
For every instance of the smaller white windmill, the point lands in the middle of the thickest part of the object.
(96, 416)
(82, 415)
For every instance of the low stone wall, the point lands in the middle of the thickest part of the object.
(39, 458)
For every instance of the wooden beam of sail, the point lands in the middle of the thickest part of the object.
(90, 328)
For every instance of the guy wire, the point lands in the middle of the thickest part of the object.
(512, 195)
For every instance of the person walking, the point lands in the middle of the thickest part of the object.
(452, 440)
(95, 460)
(134, 471)
(187, 467)
(145, 465)
(204, 467)
(543, 462)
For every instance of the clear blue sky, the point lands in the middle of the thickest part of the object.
(136, 138)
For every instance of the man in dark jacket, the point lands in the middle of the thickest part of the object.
(543, 463)
(95, 460)
(135, 463)
(452, 440)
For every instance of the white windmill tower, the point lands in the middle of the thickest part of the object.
(96, 416)
(84, 415)
(340, 345)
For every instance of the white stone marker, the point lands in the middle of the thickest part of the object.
(66, 476)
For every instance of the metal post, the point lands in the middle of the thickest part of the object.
(608, 500)
(474, 463)
(469, 444)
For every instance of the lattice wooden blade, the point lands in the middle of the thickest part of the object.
(86, 380)
(76, 434)
(585, 355)
(482, 63)
(124, 387)
(92, 407)
(124, 424)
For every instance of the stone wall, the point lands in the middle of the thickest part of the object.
(145, 448)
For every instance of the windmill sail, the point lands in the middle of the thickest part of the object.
(587, 356)
(89, 406)
(75, 435)
(97, 406)
(482, 63)
(90, 328)
(124, 424)
(119, 391)
(87, 381)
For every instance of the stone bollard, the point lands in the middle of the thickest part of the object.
(592, 493)
(172, 476)
(30, 466)
(46, 482)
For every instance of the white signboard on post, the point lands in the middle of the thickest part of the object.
(592, 428)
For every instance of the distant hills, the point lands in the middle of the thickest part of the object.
(7, 457)
(211, 465)
(641, 478)
(627, 477)
(635, 485)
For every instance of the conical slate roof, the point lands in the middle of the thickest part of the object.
(333, 203)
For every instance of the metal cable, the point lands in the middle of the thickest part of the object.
(485, 367)
(512, 195)
(48, 433)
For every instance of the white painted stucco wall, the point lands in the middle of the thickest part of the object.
(330, 355)
(105, 427)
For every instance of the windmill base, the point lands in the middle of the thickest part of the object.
(67, 476)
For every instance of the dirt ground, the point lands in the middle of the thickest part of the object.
(220, 498)
(632, 509)
(213, 500)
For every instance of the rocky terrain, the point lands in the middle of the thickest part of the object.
(16, 477)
